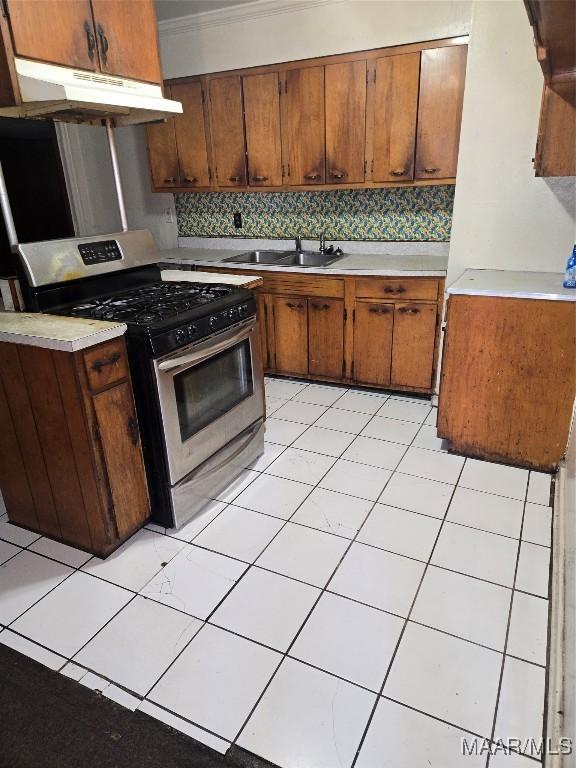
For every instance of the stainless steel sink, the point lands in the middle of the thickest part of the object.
(286, 258)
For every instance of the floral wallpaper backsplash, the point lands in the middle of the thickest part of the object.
(415, 213)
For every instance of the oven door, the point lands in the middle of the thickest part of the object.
(209, 393)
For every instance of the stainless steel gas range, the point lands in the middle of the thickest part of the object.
(194, 357)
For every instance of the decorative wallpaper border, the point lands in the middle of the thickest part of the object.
(395, 214)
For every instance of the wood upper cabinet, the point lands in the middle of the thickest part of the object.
(442, 75)
(262, 120)
(373, 327)
(303, 125)
(227, 128)
(127, 39)
(163, 153)
(345, 109)
(55, 31)
(414, 344)
(190, 132)
(118, 37)
(392, 117)
(290, 315)
(325, 337)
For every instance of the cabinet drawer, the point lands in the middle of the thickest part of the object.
(106, 364)
(397, 288)
(303, 285)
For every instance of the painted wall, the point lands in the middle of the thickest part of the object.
(504, 217)
(261, 34)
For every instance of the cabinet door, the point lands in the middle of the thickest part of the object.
(191, 136)
(303, 125)
(127, 38)
(394, 111)
(227, 126)
(262, 118)
(345, 122)
(55, 31)
(440, 111)
(163, 153)
(119, 438)
(413, 350)
(373, 326)
(326, 337)
(290, 334)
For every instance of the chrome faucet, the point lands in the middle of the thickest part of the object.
(322, 248)
(298, 243)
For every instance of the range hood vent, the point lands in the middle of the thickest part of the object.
(72, 95)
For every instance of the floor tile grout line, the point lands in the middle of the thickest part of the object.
(183, 718)
(402, 632)
(323, 591)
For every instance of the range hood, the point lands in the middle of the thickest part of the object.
(76, 95)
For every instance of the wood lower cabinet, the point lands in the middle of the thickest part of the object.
(413, 348)
(326, 337)
(290, 319)
(508, 379)
(70, 458)
(373, 329)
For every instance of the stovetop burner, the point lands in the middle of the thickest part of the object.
(150, 304)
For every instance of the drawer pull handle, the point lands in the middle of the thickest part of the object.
(103, 44)
(431, 170)
(190, 179)
(259, 178)
(294, 306)
(97, 365)
(312, 176)
(398, 172)
(320, 306)
(380, 310)
(337, 174)
(90, 39)
(409, 310)
(390, 289)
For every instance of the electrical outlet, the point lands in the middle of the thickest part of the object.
(238, 220)
(168, 216)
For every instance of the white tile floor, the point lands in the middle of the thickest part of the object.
(358, 597)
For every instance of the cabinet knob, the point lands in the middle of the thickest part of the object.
(259, 178)
(380, 310)
(290, 305)
(390, 289)
(431, 170)
(170, 180)
(320, 306)
(90, 39)
(409, 310)
(190, 179)
(312, 176)
(336, 174)
(398, 172)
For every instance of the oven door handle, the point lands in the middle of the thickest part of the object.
(207, 349)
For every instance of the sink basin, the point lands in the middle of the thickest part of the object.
(260, 257)
(285, 258)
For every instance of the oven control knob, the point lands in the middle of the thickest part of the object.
(180, 334)
(233, 313)
(212, 323)
(243, 310)
(192, 330)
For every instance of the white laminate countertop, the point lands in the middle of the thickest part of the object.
(502, 283)
(388, 265)
(66, 334)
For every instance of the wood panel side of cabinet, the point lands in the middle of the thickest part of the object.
(191, 136)
(392, 117)
(508, 379)
(290, 315)
(373, 333)
(326, 337)
(556, 147)
(303, 126)
(414, 345)
(127, 38)
(442, 75)
(54, 31)
(264, 310)
(263, 137)
(345, 109)
(227, 130)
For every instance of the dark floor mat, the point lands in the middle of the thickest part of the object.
(49, 721)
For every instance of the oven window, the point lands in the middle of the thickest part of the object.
(210, 389)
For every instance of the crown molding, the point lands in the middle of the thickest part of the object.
(236, 14)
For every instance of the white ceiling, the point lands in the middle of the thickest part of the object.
(172, 9)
